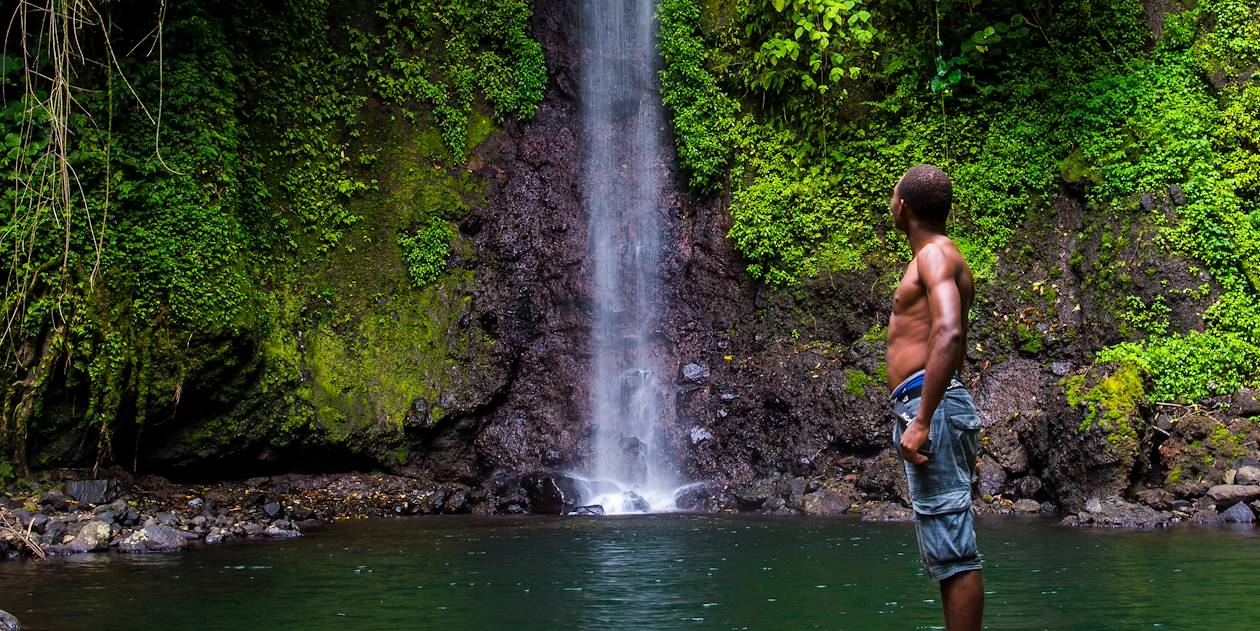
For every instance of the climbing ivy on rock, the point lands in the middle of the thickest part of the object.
(1017, 103)
(232, 170)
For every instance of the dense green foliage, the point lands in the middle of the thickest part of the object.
(227, 185)
(425, 251)
(1016, 101)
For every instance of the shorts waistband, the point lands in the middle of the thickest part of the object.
(912, 386)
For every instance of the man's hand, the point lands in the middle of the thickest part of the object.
(911, 439)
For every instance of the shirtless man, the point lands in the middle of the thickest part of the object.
(936, 425)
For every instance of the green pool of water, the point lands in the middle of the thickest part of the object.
(646, 572)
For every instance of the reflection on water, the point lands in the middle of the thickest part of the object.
(645, 572)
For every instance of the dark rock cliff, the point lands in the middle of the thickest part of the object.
(787, 386)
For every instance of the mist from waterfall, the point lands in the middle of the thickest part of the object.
(623, 158)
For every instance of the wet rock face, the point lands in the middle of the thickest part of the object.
(704, 497)
(553, 494)
(1007, 399)
(532, 293)
(92, 492)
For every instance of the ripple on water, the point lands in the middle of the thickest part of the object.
(630, 576)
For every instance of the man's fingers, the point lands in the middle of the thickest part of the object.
(912, 455)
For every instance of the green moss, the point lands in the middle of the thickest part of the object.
(1031, 340)
(877, 333)
(856, 382)
(1112, 404)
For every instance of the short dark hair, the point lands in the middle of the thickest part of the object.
(926, 189)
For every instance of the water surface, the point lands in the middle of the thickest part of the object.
(645, 572)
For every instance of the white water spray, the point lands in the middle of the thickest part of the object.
(623, 157)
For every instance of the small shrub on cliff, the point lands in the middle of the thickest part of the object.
(425, 251)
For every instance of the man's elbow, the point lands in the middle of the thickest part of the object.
(948, 336)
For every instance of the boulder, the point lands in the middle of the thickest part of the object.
(1246, 402)
(706, 497)
(8, 622)
(118, 507)
(56, 500)
(755, 495)
(825, 502)
(1114, 512)
(38, 523)
(93, 491)
(153, 538)
(94, 537)
(1228, 494)
(794, 494)
(1027, 506)
(54, 532)
(22, 516)
(632, 502)
(1029, 486)
(992, 476)
(456, 502)
(553, 494)
(1155, 498)
(272, 509)
(1238, 514)
(590, 510)
(1247, 474)
(276, 532)
(886, 511)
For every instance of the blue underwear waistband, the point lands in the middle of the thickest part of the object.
(913, 385)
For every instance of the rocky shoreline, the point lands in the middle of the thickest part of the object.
(65, 514)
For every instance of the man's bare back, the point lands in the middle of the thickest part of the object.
(910, 326)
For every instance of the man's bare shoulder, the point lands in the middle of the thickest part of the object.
(939, 257)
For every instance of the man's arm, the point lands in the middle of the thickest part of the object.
(940, 280)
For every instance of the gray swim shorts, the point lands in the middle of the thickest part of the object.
(940, 489)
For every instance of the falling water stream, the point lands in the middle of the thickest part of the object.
(623, 157)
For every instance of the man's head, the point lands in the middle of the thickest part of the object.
(925, 193)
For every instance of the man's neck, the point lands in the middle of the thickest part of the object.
(921, 234)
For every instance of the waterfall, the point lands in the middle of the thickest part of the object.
(622, 162)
